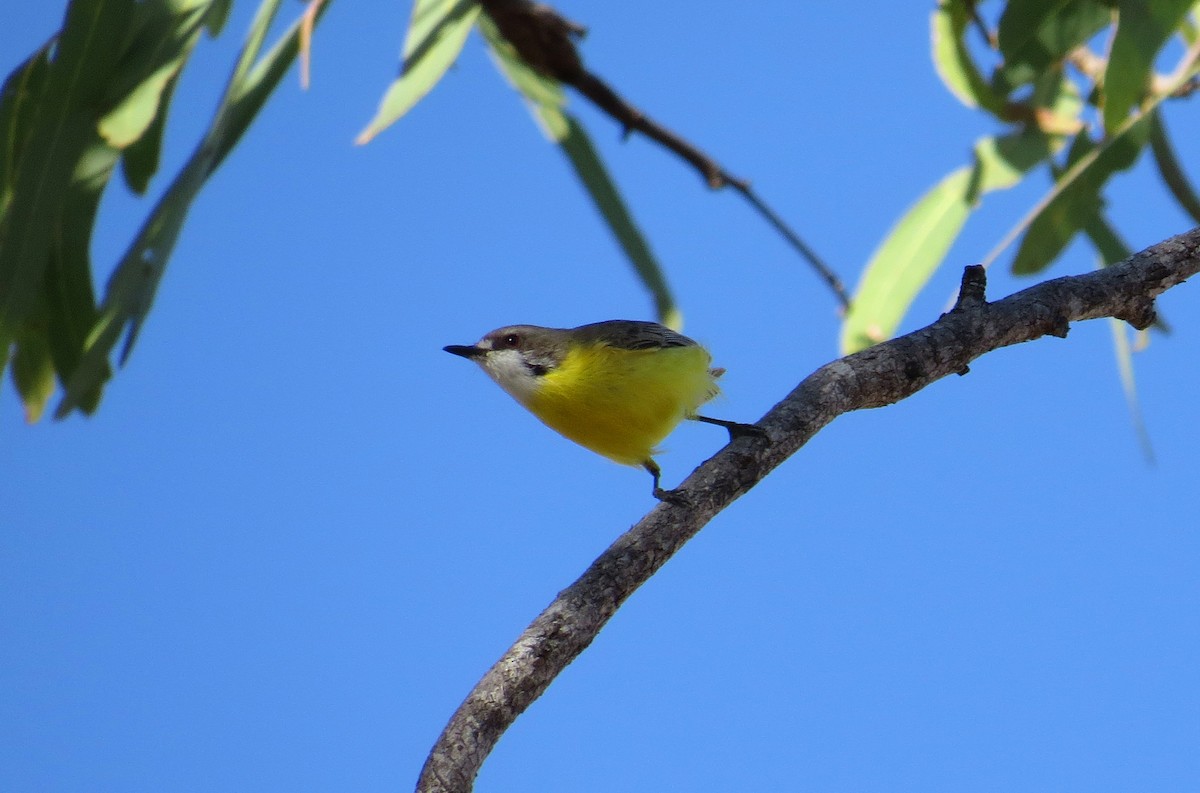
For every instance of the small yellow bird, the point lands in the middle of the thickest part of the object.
(617, 387)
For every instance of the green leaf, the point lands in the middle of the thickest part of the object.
(1170, 168)
(218, 15)
(70, 301)
(1127, 141)
(101, 91)
(953, 62)
(1035, 35)
(918, 243)
(1188, 27)
(1060, 219)
(1143, 27)
(1107, 241)
(905, 260)
(1123, 353)
(1057, 105)
(160, 38)
(163, 37)
(142, 157)
(1002, 162)
(1089, 167)
(1113, 249)
(6, 350)
(591, 171)
(78, 81)
(546, 99)
(66, 309)
(436, 35)
(254, 80)
(32, 368)
(131, 288)
(19, 102)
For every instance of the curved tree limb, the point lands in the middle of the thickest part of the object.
(881, 375)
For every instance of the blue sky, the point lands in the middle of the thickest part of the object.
(297, 532)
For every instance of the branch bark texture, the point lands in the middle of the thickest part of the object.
(881, 375)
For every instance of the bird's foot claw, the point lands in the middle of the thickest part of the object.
(746, 431)
(677, 497)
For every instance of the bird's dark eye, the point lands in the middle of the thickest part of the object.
(510, 341)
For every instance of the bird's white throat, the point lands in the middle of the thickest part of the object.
(510, 371)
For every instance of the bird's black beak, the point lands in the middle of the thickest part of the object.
(464, 350)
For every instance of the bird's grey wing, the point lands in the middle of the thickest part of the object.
(629, 334)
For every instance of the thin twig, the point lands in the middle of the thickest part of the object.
(545, 41)
(794, 240)
(876, 377)
(988, 35)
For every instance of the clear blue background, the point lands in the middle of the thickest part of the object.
(297, 532)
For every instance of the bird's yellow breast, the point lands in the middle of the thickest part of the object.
(621, 403)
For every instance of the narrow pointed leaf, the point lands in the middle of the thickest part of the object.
(162, 38)
(70, 301)
(1136, 128)
(218, 15)
(905, 260)
(918, 243)
(136, 113)
(51, 338)
(78, 80)
(103, 91)
(1143, 27)
(1123, 354)
(1004, 161)
(953, 61)
(1113, 249)
(603, 191)
(19, 102)
(252, 89)
(141, 159)
(1188, 28)
(1106, 240)
(1057, 106)
(1035, 35)
(252, 84)
(1170, 168)
(436, 35)
(1089, 167)
(32, 368)
(131, 288)
(546, 100)
(6, 350)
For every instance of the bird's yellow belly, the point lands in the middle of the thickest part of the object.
(622, 403)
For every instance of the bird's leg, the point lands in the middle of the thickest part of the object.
(736, 429)
(670, 496)
(655, 472)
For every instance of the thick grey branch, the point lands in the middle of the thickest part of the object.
(881, 375)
